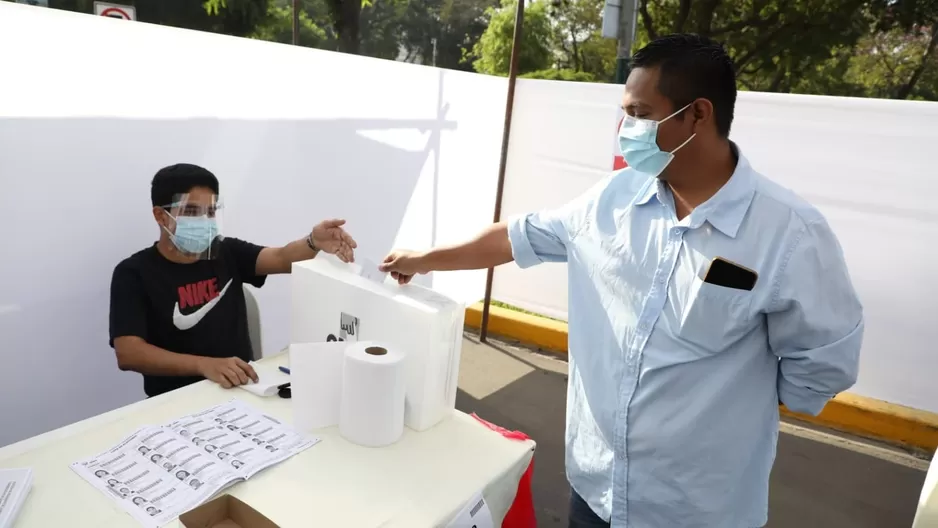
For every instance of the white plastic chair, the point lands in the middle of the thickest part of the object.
(254, 323)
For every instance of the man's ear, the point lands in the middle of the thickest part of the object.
(159, 214)
(702, 111)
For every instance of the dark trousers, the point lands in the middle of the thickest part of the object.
(581, 516)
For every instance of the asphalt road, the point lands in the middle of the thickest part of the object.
(820, 480)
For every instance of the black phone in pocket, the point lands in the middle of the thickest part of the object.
(728, 274)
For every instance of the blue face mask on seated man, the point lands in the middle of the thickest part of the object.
(196, 228)
(638, 141)
(194, 235)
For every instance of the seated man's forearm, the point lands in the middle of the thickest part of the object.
(135, 354)
(488, 249)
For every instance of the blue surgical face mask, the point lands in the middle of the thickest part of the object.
(638, 141)
(194, 234)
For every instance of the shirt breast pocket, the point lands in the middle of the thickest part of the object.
(714, 317)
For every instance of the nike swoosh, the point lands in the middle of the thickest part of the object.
(185, 322)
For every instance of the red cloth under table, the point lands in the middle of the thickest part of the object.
(521, 513)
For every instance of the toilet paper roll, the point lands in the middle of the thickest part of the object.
(371, 410)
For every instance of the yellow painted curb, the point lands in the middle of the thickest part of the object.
(529, 329)
(851, 413)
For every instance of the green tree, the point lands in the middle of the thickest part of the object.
(918, 22)
(437, 31)
(492, 53)
(897, 63)
(382, 28)
(773, 43)
(578, 42)
(230, 17)
(278, 27)
(559, 74)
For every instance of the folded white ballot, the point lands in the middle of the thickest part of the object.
(333, 301)
(269, 380)
(14, 487)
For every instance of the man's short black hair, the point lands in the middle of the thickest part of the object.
(693, 67)
(177, 179)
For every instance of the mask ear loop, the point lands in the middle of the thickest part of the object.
(692, 136)
(175, 222)
(676, 113)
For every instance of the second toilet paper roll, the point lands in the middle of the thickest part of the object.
(371, 411)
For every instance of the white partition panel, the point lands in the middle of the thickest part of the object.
(407, 154)
(561, 144)
(870, 166)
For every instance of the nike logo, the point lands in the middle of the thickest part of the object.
(185, 322)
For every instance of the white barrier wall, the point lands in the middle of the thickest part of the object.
(407, 154)
(868, 165)
(562, 142)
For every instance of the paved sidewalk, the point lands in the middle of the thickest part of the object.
(820, 480)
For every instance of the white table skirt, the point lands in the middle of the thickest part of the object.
(424, 480)
(926, 516)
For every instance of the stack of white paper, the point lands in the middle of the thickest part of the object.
(14, 487)
(160, 472)
(332, 301)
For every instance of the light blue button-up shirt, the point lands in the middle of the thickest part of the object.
(674, 383)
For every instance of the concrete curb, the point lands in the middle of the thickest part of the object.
(850, 413)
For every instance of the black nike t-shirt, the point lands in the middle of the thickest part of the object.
(193, 308)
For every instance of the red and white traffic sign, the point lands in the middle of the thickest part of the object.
(122, 12)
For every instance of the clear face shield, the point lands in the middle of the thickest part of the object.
(193, 223)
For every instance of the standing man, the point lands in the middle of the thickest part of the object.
(178, 311)
(701, 295)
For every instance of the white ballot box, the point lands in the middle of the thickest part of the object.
(333, 301)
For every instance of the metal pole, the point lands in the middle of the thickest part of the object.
(503, 161)
(296, 22)
(628, 15)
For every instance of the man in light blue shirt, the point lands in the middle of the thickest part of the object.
(701, 295)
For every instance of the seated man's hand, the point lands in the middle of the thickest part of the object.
(227, 372)
(330, 238)
(403, 265)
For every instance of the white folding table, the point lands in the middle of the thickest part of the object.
(424, 480)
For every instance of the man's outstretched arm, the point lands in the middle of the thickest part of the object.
(488, 249)
(527, 240)
(328, 236)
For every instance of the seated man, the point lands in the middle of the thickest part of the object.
(178, 312)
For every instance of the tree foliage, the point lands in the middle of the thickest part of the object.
(278, 27)
(806, 46)
(578, 42)
(492, 53)
(863, 48)
(438, 31)
(231, 17)
(555, 74)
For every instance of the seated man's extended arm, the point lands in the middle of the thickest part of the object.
(327, 236)
(815, 324)
(128, 329)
